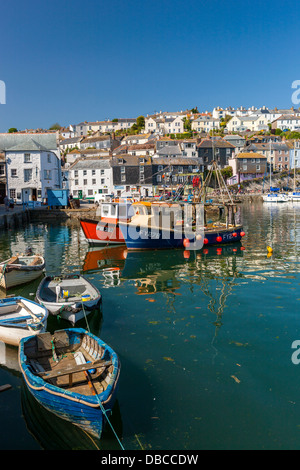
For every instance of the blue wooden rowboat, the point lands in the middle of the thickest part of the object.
(73, 374)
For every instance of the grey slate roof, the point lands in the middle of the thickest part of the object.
(169, 150)
(90, 164)
(27, 142)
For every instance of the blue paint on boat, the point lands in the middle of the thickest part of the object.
(84, 411)
(154, 239)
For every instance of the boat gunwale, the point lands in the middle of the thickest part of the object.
(90, 401)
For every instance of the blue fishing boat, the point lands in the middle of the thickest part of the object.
(160, 225)
(73, 374)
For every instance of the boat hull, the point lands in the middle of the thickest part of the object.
(275, 198)
(101, 233)
(87, 412)
(13, 336)
(73, 310)
(158, 239)
(12, 275)
(14, 326)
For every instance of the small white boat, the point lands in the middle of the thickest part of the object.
(295, 196)
(273, 197)
(20, 318)
(70, 296)
(20, 269)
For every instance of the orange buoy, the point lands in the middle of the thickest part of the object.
(186, 242)
(234, 234)
(205, 241)
(242, 234)
(186, 254)
(219, 239)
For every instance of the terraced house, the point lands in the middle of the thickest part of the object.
(246, 166)
(215, 149)
(33, 165)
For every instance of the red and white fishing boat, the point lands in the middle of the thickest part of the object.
(105, 228)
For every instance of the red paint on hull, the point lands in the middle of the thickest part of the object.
(102, 232)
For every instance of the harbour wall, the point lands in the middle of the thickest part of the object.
(21, 218)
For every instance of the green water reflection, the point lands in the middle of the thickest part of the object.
(204, 341)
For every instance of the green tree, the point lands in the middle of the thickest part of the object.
(55, 127)
(12, 130)
(187, 124)
(140, 122)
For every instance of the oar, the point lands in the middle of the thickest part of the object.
(89, 380)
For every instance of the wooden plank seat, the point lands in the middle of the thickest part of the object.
(72, 370)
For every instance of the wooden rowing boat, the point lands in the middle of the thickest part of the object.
(20, 269)
(70, 296)
(73, 374)
(20, 318)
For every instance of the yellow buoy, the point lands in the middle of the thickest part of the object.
(270, 250)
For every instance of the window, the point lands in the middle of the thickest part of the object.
(93, 172)
(75, 173)
(13, 172)
(47, 174)
(102, 180)
(142, 177)
(76, 182)
(12, 193)
(49, 157)
(257, 167)
(84, 182)
(27, 158)
(123, 178)
(158, 178)
(94, 181)
(2, 170)
(160, 168)
(84, 172)
(90, 192)
(122, 169)
(28, 174)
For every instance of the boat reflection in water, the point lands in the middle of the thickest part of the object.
(54, 433)
(163, 271)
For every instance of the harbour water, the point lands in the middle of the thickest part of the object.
(204, 338)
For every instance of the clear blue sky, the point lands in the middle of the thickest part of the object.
(69, 61)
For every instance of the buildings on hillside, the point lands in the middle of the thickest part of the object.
(106, 157)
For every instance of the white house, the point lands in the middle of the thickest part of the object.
(90, 176)
(33, 165)
(254, 122)
(165, 123)
(85, 128)
(287, 121)
(205, 124)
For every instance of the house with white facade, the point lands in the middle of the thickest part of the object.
(165, 123)
(287, 121)
(70, 143)
(205, 124)
(294, 153)
(33, 165)
(90, 176)
(254, 122)
(89, 127)
(99, 141)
